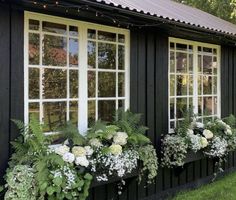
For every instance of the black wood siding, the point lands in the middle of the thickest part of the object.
(149, 95)
(11, 78)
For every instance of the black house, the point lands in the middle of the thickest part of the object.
(80, 60)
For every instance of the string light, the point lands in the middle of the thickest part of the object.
(68, 7)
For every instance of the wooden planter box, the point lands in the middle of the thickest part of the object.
(192, 156)
(113, 179)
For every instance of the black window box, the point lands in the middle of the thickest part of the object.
(192, 156)
(113, 179)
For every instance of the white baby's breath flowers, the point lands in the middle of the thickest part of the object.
(218, 147)
(115, 149)
(82, 161)
(68, 157)
(207, 134)
(204, 142)
(95, 143)
(120, 138)
(78, 151)
(61, 150)
(89, 150)
(195, 142)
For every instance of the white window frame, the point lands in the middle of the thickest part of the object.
(195, 74)
(82, 66)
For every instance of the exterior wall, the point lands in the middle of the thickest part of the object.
(148, 95)
(11, 78)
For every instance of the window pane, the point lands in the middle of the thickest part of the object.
(121, 104)
(106, 84)
(190, 85)
(199, 85)
(181, 62)
(54, 115)
(74, 84)
(172, 125)
(182, 81)
(121, 84)
(200, 64)
(191, 63)
(102, 35)
(121, 38)
(172, 46)
(207, 105)
(207, 64)
(91, 54)
(182, 47)
(207, 85)
(207, 50)
(121, 57)
(106, 56)
(200, 106)
(106, 110)
(91, 34)
(91, 112)
(73, 52)
(214, 65)
(172, 85)
(214, 85)
(33, 83)
(73, 30)
(34, 110)
(33, 24)
(33, 49)
(172, 61)
(74, 112)
(54, 83)
(91, 83)
(172, 108)
(215, 104)
(181, 107)
(54, 27)
(54, 50)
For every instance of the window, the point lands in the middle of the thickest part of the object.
(74, 71)
(193, 80)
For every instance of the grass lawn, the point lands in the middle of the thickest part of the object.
(222, 189)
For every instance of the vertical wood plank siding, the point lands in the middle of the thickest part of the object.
(4, 87)
(149, 96)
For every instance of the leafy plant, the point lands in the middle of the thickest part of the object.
(148, 156)
(130, 123)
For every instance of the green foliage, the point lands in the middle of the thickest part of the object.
(225, 9)
(184, 125)
(130, 123)
(231, 121)
(21, 184)
(71, 132)
(148, 156)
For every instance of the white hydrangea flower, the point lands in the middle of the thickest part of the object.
(120, 138)
(68, 157)
(61, 150)
(199, 125)
(115, 149)
(189, 132)
(204, 142)
(207, 134)
(82, 161)
(89, 150)
(95, 142)
(79, 151)
(228, 131)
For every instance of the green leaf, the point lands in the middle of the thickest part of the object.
(57, 181)
(1, 188)
(50, 190)
(43, 186)
(88, 176)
